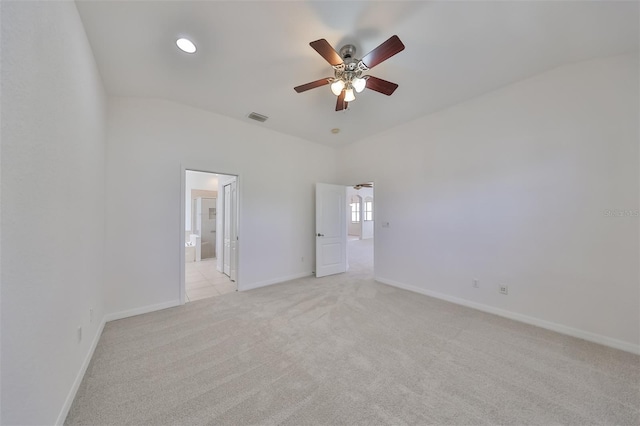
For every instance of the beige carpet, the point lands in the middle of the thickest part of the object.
(345, 350)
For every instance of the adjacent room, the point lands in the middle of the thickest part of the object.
(319, 213)
(360, 227)
(207, 254)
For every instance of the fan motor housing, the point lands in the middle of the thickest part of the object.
(347, 51)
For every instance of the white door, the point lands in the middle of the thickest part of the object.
(226, 263)
(331, 229)
(233, 232)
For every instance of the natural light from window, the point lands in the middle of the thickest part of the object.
(368, 210)
(355, 212)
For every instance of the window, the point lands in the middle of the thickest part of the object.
(355, 212)
(368, 210)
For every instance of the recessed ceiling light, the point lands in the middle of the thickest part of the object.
(186, 45)
(335, 131)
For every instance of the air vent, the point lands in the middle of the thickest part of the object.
(258, 117)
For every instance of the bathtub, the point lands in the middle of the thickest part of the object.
(189, 253)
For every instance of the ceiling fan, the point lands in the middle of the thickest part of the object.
(359, 186)
(347, 70)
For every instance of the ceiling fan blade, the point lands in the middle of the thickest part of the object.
(312, 85)
(325, 50)
(383, 52)
(341, 103)
(379, 85)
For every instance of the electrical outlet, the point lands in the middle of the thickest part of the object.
(385, 224)
(476, 283)
(79, 334)
(503, 289)
(302, 259)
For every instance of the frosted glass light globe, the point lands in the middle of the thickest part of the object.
(337, 86)
(349, 96)
(359, 84)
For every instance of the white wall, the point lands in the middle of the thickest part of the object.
(53, 200)
(148, 143)
(197, 180)
(511, 188)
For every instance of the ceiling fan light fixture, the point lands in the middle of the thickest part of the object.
(359, 84)
(186, 45)
(337, 86)
(347, 77)
(349, 96)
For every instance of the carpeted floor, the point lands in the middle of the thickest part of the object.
(345, 350)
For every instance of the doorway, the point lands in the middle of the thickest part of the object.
(209, 226)
(341, 211)
(360, 226)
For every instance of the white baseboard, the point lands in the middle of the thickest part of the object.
(83, 369)
(259, 284)
(64, 412)
(570, 331)
(143, 310)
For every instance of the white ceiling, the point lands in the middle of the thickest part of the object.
(251, 54)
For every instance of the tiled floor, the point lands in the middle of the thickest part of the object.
(203, 280)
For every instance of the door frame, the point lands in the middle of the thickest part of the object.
(182, 293)
(233, 226)
(226, 230)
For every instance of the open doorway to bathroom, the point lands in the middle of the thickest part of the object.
(210, 225)
(360, 223)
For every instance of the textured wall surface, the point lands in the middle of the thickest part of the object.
(514, 188)
(53, 186)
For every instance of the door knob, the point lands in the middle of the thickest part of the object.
(320, 235)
